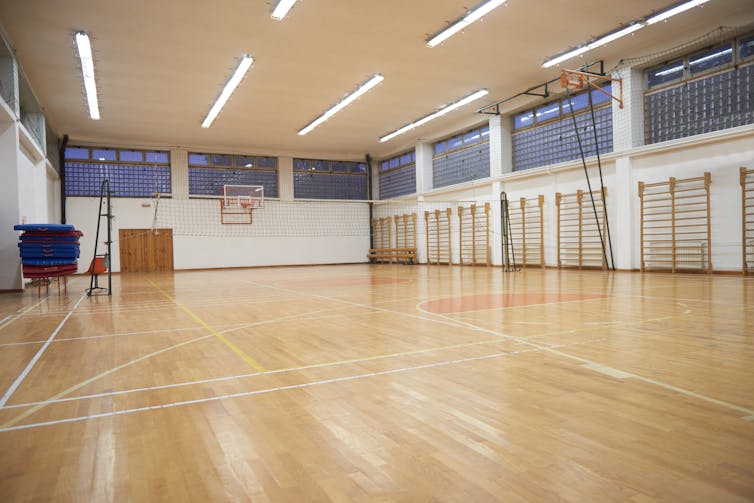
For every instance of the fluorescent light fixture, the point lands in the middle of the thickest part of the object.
(282, 8)
(615, 35)
(631, 28)
(230, 86)
(363, 88)
(565, 56)
(408, 127)
(87, 71)
(471, 16)
(683, 7)
(603, 40)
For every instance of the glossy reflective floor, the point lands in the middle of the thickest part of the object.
(386, 383)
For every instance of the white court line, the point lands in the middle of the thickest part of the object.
(450, 321)
(269, 372)
(22, 376)
(604, 368)
(677, 389)
(20, 313)
(265, 391)
(159, 352)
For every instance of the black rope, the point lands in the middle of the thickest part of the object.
(586, 173)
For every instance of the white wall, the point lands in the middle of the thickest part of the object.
(720, 153)
(282, 233)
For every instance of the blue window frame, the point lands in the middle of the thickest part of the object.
(400, 176)
(132, 173)
(324, 179)
(464, 158)
(706, 91)
(549, 136)
(209, 173)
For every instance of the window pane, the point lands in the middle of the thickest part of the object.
(221, 160)
(406, 159)
(578, 102)
(471, 137)
(395, 162)
(320, 165)
(666, 73)
(358, 167)
(548, 112)
(385, 166)
(103, 155)
(710, 59)
(523, 119)
(198, 159)
(455, 142)
(341, 167)
(158, 157)
(131, 156)
(246, 161)
(485, 132)
(440, 147)
(598, 97)
(301, 164)
(76, 153)
(746, 47)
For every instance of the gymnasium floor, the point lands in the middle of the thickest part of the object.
(386, 383)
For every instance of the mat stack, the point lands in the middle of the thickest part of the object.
(48, 250)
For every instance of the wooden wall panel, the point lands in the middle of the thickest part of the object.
(145, 250)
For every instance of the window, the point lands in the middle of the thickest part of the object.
(746, 47)
(321, 179)
(706, 91)
(546, 135)
(209, 173)
(713, 58)
(132, 173)
(399, 176)
(464, 157)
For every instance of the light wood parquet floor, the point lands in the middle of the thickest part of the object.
(381, 383)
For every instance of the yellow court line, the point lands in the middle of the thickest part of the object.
(248, 359)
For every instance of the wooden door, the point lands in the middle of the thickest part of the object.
(145, 250)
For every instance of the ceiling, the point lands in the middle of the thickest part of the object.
(160, 64)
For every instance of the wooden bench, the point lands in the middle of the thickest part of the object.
(405, 255)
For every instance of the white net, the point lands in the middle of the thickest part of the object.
(202, 217)
(628, 121)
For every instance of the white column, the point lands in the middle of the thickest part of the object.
(501, 158)
(628, 122)
(624, 235)
(10, 265)
(285, 178)
(179, 173)
(424, 154)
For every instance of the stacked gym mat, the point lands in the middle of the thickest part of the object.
(48, 250)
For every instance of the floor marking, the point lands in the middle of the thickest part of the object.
(248, 359)
(449, 321)
(86, 382)
(661, 384)
(609, 371)
(13, 427)
(276, 371)
(30, 365)
(20, 313)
